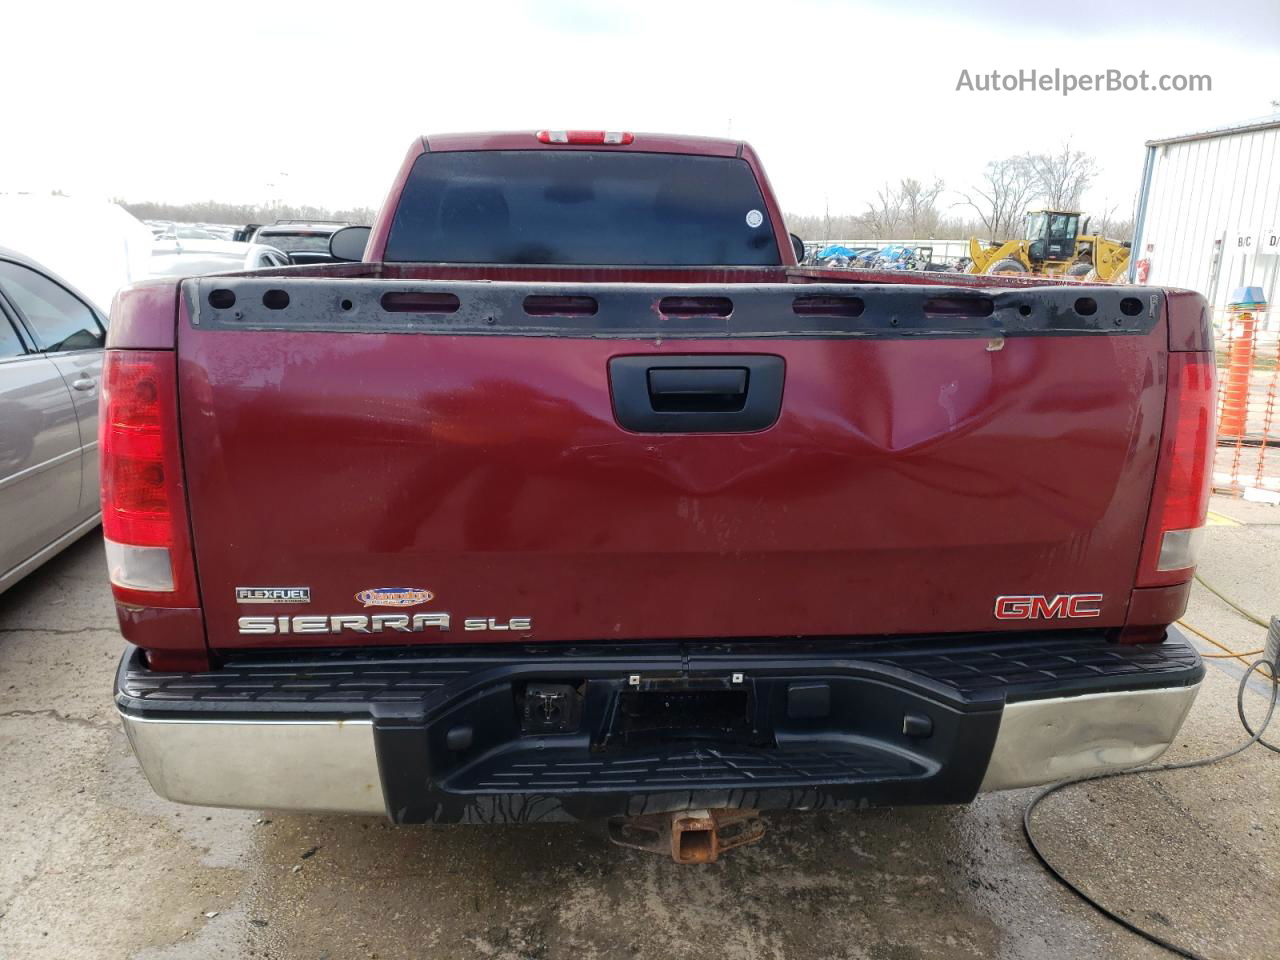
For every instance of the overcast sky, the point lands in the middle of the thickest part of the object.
(316, 102)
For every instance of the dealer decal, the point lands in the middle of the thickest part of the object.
(394, 596)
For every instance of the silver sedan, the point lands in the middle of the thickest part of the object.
(51, 341)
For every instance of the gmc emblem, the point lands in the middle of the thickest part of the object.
(1063, 606)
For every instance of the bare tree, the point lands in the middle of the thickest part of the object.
(1112, 222)
(885, 214)
(918, 204)
(1061, 178)
(1001, 199)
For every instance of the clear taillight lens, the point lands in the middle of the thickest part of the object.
(1179, 549)
(139, 568)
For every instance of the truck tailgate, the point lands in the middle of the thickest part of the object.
(935, 448)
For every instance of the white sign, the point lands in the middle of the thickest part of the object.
(1245, 243)
(1269, 243)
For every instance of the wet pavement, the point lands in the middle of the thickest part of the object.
(93, 865)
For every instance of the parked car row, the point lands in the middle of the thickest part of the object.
(167, 230)
(185, 250)
(202, 257)
(893, 256)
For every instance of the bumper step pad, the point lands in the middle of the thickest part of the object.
(694, 767)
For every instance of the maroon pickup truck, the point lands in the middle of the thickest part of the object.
(576, 497)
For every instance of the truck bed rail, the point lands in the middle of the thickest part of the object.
(767, 310)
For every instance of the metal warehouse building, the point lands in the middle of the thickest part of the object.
(1209, 212)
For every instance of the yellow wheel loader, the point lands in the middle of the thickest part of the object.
(1053, 245)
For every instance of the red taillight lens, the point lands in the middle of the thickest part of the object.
(1184, 472)
(144, 516)
(135, 500)
(603, 137)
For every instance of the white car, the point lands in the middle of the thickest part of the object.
(192, 258)
(95, 245)
(306, 241)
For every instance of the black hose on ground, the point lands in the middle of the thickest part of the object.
(1254, 737)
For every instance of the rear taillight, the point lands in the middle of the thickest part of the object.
(144, 516)
(601, 137)
(1180, 499)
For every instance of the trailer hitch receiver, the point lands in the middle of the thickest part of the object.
(691, 836)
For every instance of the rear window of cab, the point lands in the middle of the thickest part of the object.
(581, 207)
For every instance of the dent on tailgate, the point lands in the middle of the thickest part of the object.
(906, 485)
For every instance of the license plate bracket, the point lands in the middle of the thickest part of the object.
(681, 710)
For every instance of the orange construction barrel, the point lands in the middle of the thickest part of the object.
(1235, 390)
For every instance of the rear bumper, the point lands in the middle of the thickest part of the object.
(443, 736)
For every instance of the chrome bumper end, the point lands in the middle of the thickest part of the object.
(1044, 741)
(320, 766)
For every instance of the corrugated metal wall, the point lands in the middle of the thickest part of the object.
(1203, 194)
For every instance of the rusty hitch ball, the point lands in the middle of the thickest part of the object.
(691, 836)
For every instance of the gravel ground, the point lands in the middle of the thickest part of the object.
(93, 865)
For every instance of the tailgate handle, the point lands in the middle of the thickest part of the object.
(697, 393)
(697, 388)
